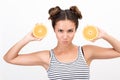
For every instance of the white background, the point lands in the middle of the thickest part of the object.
(18, 17)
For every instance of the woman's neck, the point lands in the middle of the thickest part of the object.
(64, 48)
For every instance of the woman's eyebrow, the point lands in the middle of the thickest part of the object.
(71, 29)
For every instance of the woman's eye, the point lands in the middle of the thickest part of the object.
(60, 30)
(70, 30)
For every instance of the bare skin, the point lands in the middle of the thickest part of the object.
(65, 51)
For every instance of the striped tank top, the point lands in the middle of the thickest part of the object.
(77, 70)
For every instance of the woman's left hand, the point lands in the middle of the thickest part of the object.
(101, 34)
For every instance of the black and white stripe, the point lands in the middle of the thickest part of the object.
(77, 70)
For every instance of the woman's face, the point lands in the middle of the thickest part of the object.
(65, 31)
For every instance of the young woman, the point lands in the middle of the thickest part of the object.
(66, 61)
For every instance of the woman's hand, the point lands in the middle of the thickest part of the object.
(29, 37)
(101, 34)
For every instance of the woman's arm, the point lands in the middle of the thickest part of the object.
(36, 58)
(114, 42)
(96, 52)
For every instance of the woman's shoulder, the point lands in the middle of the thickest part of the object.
(43, 53)
(88, 49)
(88, 46)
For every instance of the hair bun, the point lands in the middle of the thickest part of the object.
(53, 11)
(76, 11)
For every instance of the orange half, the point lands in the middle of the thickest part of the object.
(90, 32)
(39, 31)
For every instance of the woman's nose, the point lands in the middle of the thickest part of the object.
(65, 35)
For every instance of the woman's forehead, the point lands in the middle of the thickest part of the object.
(65, 24)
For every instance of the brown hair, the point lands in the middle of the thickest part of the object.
(57, 14)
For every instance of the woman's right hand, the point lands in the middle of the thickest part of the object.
(30, 37)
